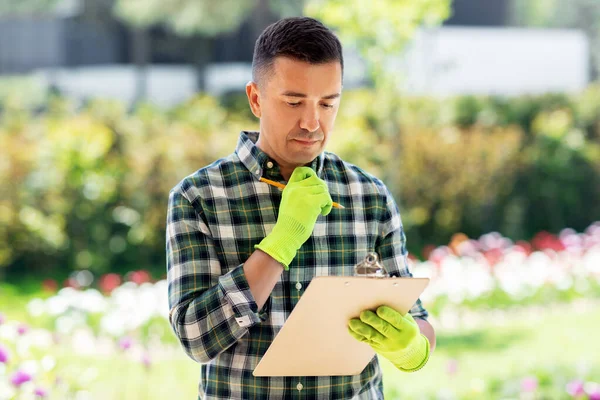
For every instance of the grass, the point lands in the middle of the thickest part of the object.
(513, 350)
(554, 339)
(120, 379)
(561, 337)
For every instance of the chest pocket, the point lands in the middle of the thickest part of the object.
(238, 229)
(340, 246)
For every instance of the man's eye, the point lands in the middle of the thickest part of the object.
(324, 105)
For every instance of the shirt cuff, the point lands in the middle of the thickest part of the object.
(236, 291)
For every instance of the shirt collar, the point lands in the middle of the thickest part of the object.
(255, 159)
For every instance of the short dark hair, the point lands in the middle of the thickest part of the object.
(301, 38)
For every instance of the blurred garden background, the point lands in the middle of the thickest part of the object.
(483, 118)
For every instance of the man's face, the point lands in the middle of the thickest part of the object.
(297, 103)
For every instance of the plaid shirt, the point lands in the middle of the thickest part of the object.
(215, 217)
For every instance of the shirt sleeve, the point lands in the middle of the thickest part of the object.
(209, 312)
(391, 247)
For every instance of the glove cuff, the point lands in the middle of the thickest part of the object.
(283, 244)
(415, 356)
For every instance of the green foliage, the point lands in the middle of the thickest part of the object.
(378, 30)
(87, 187)
(187, 17)
(15, 7)
(478, 164)
(492, 358)
(543, 296)
(18, 92)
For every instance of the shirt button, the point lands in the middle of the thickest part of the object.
(298, 285)
(257, 172)
(299, 386)
(269, 164)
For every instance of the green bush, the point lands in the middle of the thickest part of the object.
(87, 186)
(480, 164)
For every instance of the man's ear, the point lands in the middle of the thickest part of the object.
(253, 98)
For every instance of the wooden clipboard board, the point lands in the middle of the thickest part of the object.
(314, 341)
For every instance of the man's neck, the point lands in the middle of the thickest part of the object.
(286, 173)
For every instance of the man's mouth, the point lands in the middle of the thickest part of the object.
(306, 141)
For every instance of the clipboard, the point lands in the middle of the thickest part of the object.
(314, 340)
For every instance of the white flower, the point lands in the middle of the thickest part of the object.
(58, 304)
(83, 395)
(92, 301)
(48, 363)
(7, 391)
(591, 260)
(32, 367)
(36, 307)
(40, 338)
(113, 324)
(83, 342)
(65, 324)
(8, 332)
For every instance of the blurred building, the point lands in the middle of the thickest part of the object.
(82, 50)
(479, 13)
(85, 32)
(496, 61)
(476, 51)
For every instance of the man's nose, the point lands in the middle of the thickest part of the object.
(310, 121)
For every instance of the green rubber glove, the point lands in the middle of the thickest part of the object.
(303, 199)
(393, 336)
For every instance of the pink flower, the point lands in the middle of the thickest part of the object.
(146, 360)
(593, 390)
(493, 256)
(452, 367)
(125, 343)
(468, 248)
(594, 395)
(4, 355)
(2, 319)
(575, 388)
(529, 384)
(139, 277)
(22, 329)
(438, 254)
(109, 282)
(547, 241)
(49, 285)
(41, 392)
(492, 240)
(523, 246)
(71, 282)
(19, 378)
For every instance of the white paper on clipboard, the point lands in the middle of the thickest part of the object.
(314, 341)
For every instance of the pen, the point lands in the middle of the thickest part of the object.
(282, 186)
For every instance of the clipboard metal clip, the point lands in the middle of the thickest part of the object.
(371, 267)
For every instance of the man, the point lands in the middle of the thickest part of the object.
(240, 252)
